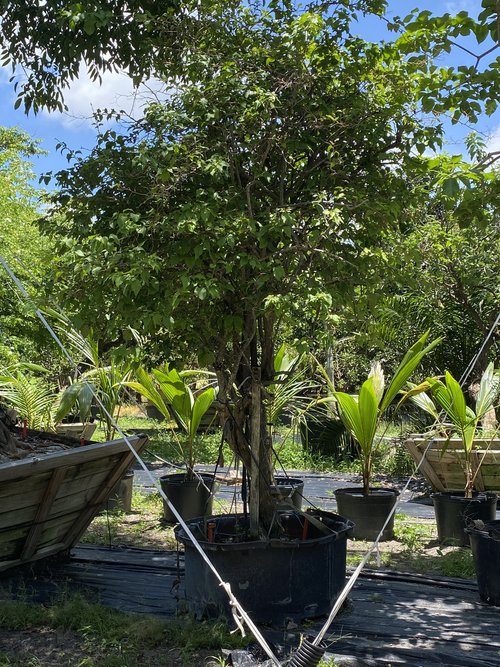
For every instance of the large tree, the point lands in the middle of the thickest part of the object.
(271, 174)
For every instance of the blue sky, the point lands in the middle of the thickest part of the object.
(75, 128)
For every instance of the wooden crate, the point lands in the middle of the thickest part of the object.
(77, 430)
(443, 467)
(47, 503)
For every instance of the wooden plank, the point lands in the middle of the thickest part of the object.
(425, 466)
(49, 502)
(43, 512)
(21, 469)
(54, 529)
(78, 430)
(52, 550)
(21, 506)
(101, 495)
(447, 466)
(476, 462)
(23, 487)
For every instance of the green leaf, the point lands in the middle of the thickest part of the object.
(489, 389)
(408, 364)
(368, 412)
(378, 382)
(349, 414)
(200, 407)
(146, 387)
(67, 401)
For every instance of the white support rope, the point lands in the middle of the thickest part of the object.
(474, 359)
(239, 613)
(355, 575)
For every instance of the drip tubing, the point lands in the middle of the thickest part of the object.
(308, 655)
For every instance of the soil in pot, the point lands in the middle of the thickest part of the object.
(288, 491)
(192, 498)
(454, 513)
(368, 512)
(485, 543)
(295, 574)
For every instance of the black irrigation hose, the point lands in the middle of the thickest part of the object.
(308, 655)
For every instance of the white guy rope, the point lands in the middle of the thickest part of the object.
(354, 576)
(474, 359)
(239, 613)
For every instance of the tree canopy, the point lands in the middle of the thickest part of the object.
(272, 174)
(287, 153)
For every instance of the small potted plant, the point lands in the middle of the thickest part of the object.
(168, 391)
(456, 509)
(368, 507)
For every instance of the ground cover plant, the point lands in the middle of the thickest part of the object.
(76, 632)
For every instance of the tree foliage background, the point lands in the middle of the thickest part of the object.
(24, 249)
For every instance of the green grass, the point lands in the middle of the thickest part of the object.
(166, 442)
(97, 636)
(143, 527)
(418, 551)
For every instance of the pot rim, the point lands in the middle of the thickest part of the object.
(374, 491)
(180, 478)
(459, 497)
(264, 543)
(485, 532)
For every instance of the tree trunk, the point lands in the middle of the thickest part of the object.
(9, 445)
(243, 414)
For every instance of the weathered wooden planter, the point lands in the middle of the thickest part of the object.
(443, 466)
(77, 430)
(47, 502)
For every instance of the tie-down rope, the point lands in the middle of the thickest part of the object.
(239, 614)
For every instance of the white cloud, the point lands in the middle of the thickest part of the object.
(116, 91)
(493, 143)
(470, 6)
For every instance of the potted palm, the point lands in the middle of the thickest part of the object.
(289, 396)
(171, 395)
(368, 507)
(456, 509)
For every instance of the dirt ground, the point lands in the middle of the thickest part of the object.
(45, 647)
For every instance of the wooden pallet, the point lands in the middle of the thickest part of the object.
(443, 466)
(46, 503)
(77, 430)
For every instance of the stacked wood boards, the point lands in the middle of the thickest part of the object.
(46, 503)
(442, 462)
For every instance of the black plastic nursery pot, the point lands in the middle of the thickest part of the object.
(485, 543)
(120, 497)
(295, 576)
(288, 491)
(368, 512)
(191, 497)
(454, 513)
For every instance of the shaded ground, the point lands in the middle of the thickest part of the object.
(46, 647)
(392, 618)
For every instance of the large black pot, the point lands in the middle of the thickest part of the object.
(191, 497)
(296, 575)
(368, 512)
(288, 491)
(454, 513)
(485, 543)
